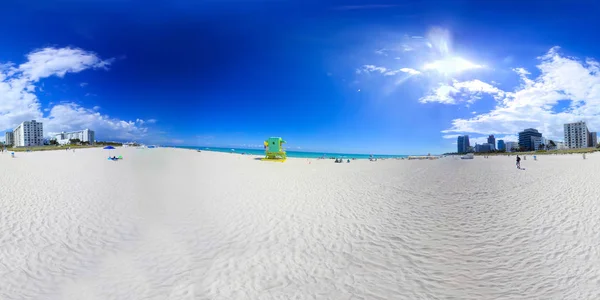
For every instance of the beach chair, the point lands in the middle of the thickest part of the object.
(274, 150)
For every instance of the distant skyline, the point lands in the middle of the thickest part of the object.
(385, 77)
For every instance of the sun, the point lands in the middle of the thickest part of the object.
(451, 65)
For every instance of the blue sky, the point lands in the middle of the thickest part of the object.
(403, 77)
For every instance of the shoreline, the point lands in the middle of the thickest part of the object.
(313, 155)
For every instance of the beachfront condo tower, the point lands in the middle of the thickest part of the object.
(526, 143)
(9, 138)
(576, 135)
(84, 136)
(492, 141)
(511, 146)
(462, 144)
(501, 145)
(29, 133)
(593, 139)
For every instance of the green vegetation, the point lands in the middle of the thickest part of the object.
(50, 148)
(53, 145)
(115, 144)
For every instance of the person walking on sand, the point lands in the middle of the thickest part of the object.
(518, 162)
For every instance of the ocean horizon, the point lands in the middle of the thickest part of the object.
(291, 153)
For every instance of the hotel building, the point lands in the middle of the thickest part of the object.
(29, 133)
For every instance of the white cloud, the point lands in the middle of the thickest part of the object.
(457, 92)
(533, 104)
(407, 48)
(59, 61)
(83, 84)
(142, 122)
(443, 94)
(96, 107)
(388, 72)
(70, 116)
(18, 101)
(372, 68)
(478, 86)
(451, 136)
(381, 51)
(404, 70)
(410, 71)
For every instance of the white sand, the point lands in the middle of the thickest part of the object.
(178, 224)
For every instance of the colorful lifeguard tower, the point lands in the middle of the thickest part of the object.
(274, 149)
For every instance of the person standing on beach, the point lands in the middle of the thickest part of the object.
(518, 162)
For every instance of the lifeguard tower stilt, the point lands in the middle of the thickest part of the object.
(274, 150)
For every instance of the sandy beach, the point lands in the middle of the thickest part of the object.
(179, 224)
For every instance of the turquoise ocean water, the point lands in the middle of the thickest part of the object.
(298, 154)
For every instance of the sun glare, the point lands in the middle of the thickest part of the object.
(451, 65)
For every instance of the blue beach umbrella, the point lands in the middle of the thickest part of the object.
(109, 148)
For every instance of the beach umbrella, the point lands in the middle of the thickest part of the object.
(109, 148)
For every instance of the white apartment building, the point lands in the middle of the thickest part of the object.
(576, 135)
(9, 138)
(511, 145)
(84, 135)
(537, 141)
(560, 146)
(29, 133)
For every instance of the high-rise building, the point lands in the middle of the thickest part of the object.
(492, 141)
(593, 139)
(501, 145)
(85, 135)
(9, 138)
(29, 133)
(525, 141)
(462, 144)
(510, 146)
(537, 142)
(485, 147)
(576, 135)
